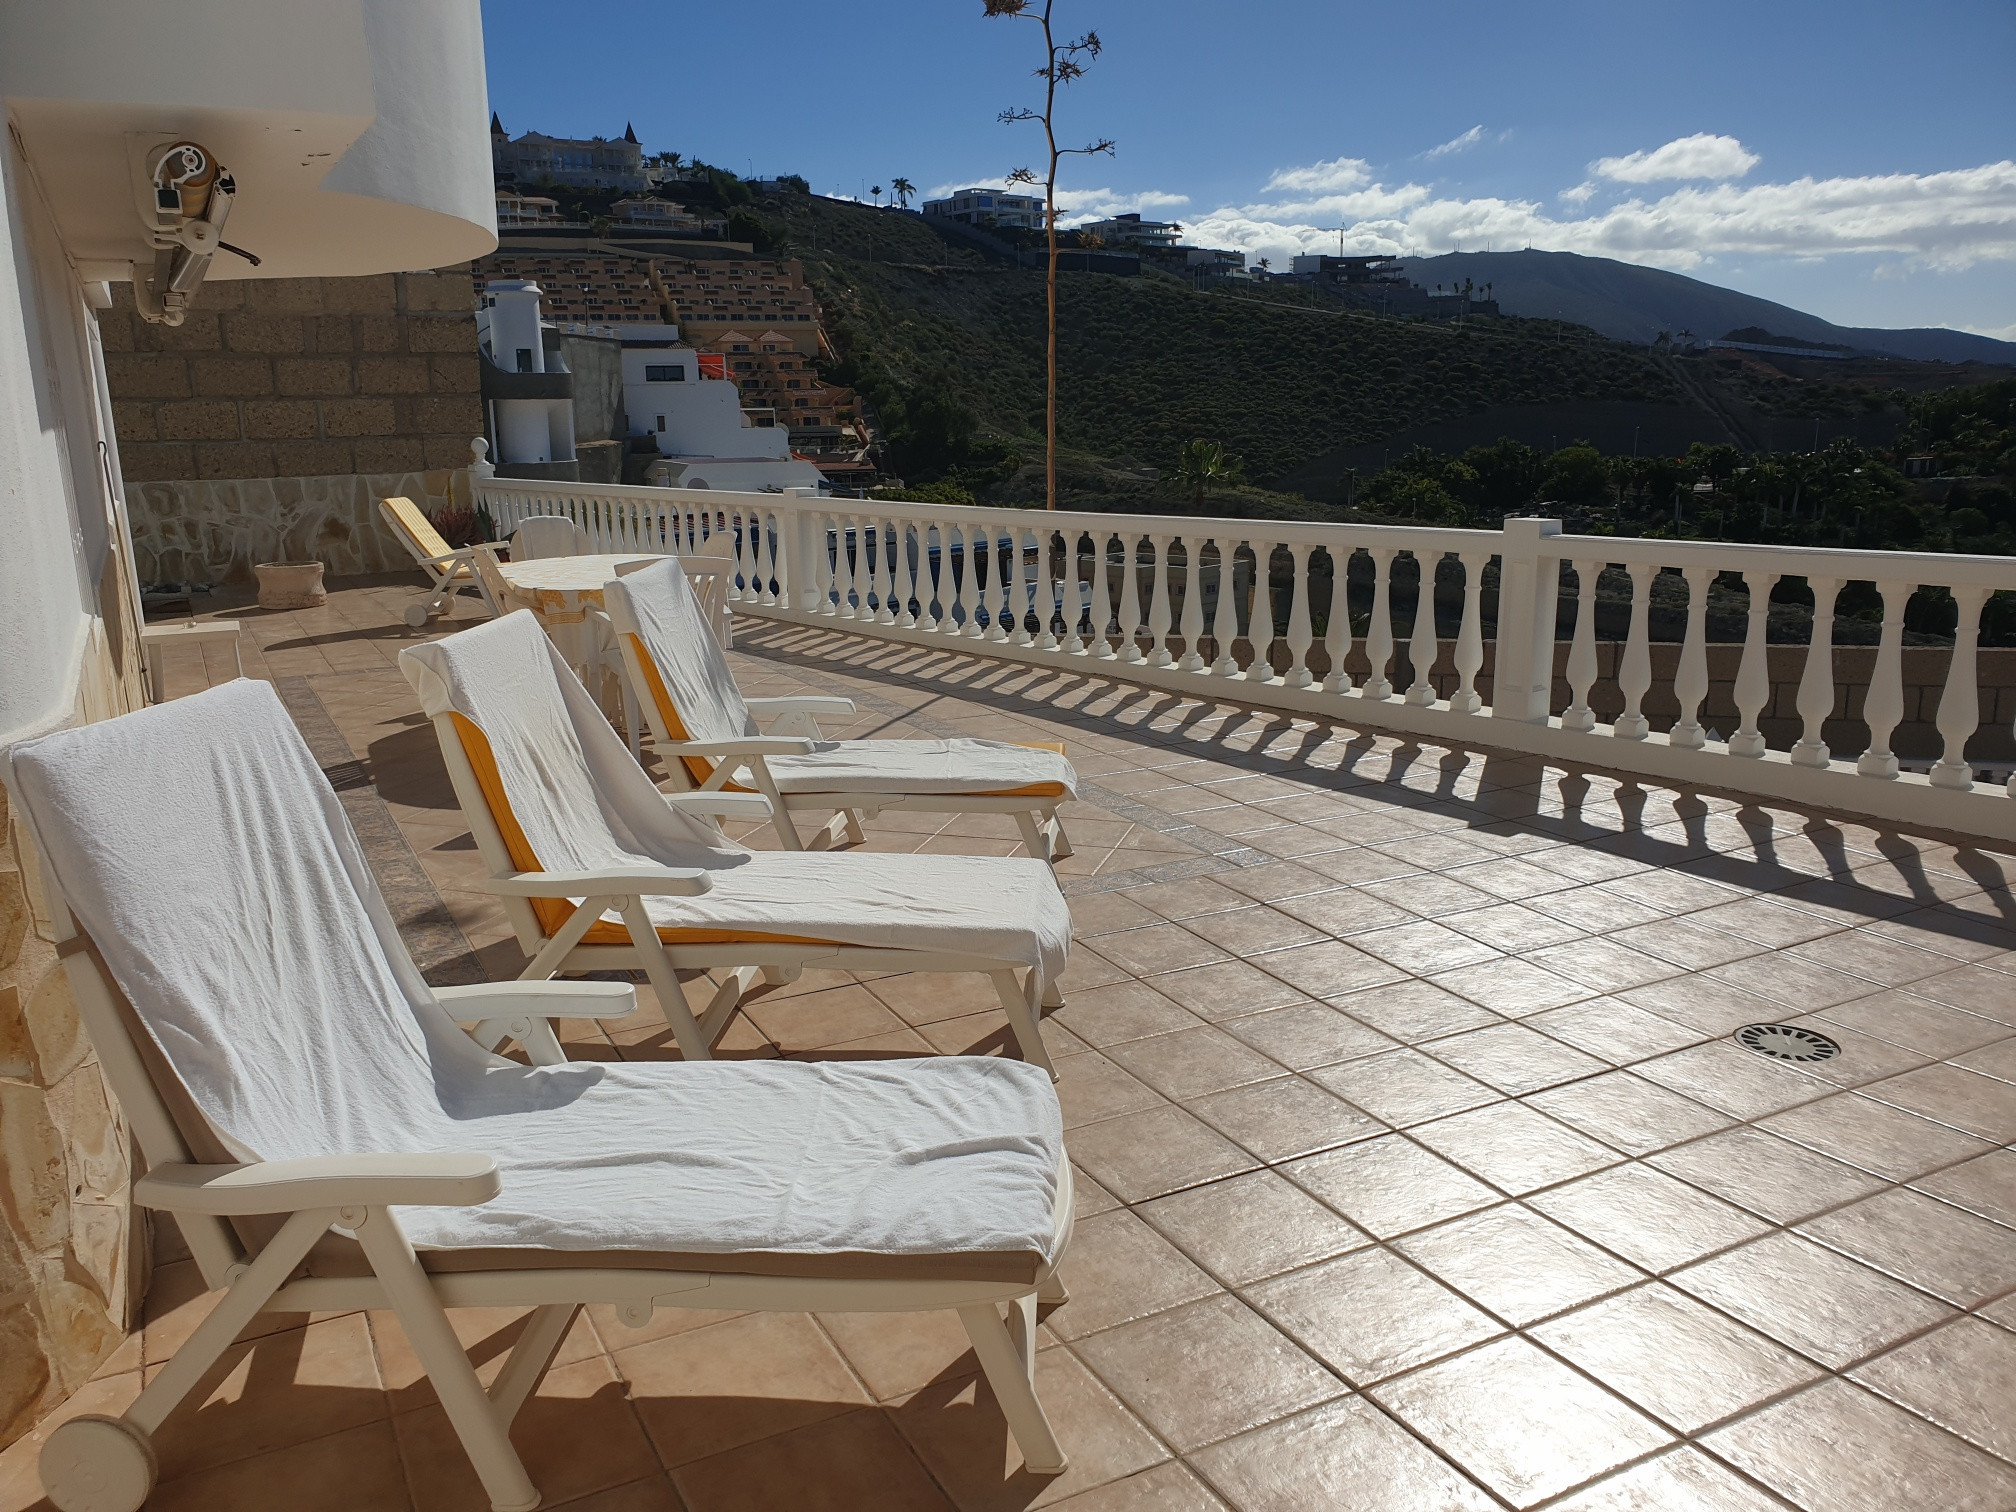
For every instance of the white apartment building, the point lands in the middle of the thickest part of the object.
(681, 398)
(989, 207)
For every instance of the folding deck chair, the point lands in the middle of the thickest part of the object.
(328, 1139)
(449, 569)
(707, 732)
(562, 813)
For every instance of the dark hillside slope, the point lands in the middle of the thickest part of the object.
(1632, 303)
(1149, 363)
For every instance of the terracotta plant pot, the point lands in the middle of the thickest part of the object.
(291, 585)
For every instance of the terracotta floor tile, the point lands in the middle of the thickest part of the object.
(1344, 912)
(1978, 989)
(1103, 913)
(1629, 1113)
(1961, 1376)
(1310, 1034)
(1702, 1003)
(1513, 927)
(576, 1405)
(487, 1333)
(1257, 1374)
(1106, 1016)
(1772, 1177)
(1515, 1148)
(1901, 1464)
(1158, 948)
(1249, 931)
(20, 1477)
(1370, 1315)
(1093, 1086)
(275, 1391)
(1724, 1075)
(1997, 1060)
(1876, 1136)
(1965, 1099)
(1687, 943)
(1424, 947)
(1250, 1227)
(1227, 991)
(1686, 1364)
(1142, 1155)
(1647, 1217)
(1613, 1030)
(1188, 900)
(1193, 1062)
(1594, 909)
(1119, 1269)
(1428, 895)
(707, 1391)
(1684, 1480)
(1347, 1456)
(1514, 1058)
(654, 1494)
(1276, 880)
(1918, 1023)
(1414, 1011)
(1512, 879)
(1523, 1424)
(839, 1465)
(1935, 1247)
(1986, 1186)
(1166, 1488)
(1404, 1087)
(1280, 1119)
(1329, 970)
(1797, 986)
(823, 1018)
(353, 1471)
(1822, 1304)
(1389, 1186)
(1603, 964)
(957, 1429)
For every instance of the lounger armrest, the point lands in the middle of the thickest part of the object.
(557, 999)
(721, 805)
(641, 882)
(806, 704)
(320, 1181)
(460, 554)
(741, 745)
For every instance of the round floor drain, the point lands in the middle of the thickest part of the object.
(1786, 1042)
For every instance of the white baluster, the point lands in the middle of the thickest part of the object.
(1753, 677)
(1159, 605)
(1337, 634)
(1102, 596)
(1690, 682)
(1816, 682)
(850, 568)
(904, 567)
(1634, 672)
(888, 541)
(1260, 618)
(1225, 613)
(1960, 700)
(1379, 632)
(1129, 648)
(1470, 638)
(1005, 567)
(1025, 586)
(1422, 648)
(1883, 704)
(1300, 636)
(1193, 604)
(965, 622)
(1070, 597)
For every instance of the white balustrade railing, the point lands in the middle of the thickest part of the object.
(1259, 611)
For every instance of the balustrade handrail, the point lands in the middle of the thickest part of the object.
(1154, 602)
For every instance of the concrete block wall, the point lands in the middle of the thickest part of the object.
(298, 378)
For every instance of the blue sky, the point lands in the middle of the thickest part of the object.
(1852, 159)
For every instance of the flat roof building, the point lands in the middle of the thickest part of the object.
(989, 207)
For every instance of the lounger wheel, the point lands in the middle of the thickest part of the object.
(95, 1463)
(416, 615)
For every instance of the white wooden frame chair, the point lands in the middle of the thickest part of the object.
(332, 1232)
(450, 570)
(562, 917)
(706, 731)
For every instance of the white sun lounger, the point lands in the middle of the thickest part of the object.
(707, 733)
(329, 1140)
(573, 831)
(449, 570)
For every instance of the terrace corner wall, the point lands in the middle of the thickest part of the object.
(267, 426)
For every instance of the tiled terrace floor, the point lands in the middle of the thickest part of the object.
(1419, 1171)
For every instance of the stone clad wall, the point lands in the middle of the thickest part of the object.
(73, 1264)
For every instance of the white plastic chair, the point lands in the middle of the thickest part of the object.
(540, 536)
(562, 813)
(329, 1140)
(708, 734)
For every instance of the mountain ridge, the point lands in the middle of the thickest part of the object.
(1629, 302)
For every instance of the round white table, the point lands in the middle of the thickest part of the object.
(565, 593)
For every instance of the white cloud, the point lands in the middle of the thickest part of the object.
(1699, 156)
(1469, 138)
(1581, 194)
(2000, 333)
(1320, 178)
(1098, 204)
(1950, 220)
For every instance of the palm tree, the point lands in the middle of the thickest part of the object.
(902, 188)
(1203, 464)
(877, 192)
